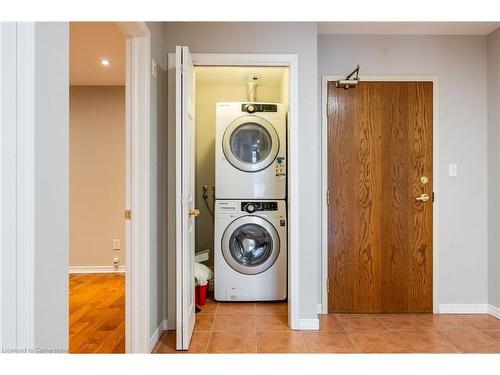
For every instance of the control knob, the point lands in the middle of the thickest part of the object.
(250, 208)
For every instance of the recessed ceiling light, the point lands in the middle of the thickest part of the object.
(105, 62)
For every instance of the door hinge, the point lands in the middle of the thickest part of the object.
(432, 197)
(128, 214)
(328, 197)
(328, 286)
(327, 109)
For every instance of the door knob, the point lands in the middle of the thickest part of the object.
(194, 212)
(423, 198)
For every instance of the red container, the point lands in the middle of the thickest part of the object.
(200, 294)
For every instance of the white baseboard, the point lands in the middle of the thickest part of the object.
(320, 309)
(156, 336)
(494, 311)
(479, 308)
(309, 324)
(95, 269)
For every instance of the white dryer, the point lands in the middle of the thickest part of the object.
(250, 151)
(250, 250)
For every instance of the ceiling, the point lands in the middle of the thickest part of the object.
(210, 75)
(408, 28)
(89, 43)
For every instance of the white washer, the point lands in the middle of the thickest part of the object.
(250, 151)
(250, 250)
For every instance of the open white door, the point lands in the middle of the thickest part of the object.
(185, 210)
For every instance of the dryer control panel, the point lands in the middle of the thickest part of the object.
(252, 207)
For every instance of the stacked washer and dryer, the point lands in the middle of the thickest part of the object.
(250, 260)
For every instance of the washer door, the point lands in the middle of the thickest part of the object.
(250, 143)
(250, 245)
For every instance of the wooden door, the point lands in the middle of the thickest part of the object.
(379, 234)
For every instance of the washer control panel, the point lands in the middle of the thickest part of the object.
(258, 107)
(252, 207)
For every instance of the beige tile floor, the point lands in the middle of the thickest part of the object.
(262, 328)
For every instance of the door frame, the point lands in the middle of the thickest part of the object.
(17, 185)
(137, 96)
(323, 308)
(278, 60)
(137, 185)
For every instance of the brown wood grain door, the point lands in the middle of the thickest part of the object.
(379, 234)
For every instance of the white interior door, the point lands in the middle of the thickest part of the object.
(185, 210)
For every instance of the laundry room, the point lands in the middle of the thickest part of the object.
(240, 187)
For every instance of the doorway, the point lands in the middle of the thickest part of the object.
(379, 182)
(136, 184)
(201, 62)
(97, 188)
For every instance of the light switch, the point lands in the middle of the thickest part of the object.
(452, 170)
(116, 244)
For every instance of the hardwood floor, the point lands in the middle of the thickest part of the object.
(97, 313)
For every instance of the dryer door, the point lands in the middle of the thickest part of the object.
(250, 245)
(250, 143)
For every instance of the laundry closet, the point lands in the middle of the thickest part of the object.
(241, 180)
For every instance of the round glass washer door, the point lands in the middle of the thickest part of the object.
(250, 143)
(250, 245)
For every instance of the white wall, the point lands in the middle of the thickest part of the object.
(494, 168)
(460, 63)
(97, 175)
(290, 38)
(51, 184)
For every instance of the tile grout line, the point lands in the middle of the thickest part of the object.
(394, 333)
(305, 341)
(448, 341)
(349, 335)
(382, 322)
(211, 329)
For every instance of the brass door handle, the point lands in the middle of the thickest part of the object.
(194, 212)
(423, 198)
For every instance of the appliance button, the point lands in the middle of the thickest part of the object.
(250, 108)
(250, 208)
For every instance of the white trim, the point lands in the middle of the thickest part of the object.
(309, 324)
(435, 167)
(494, 311)
(17, 157)
(171, 194)
(137, 93)
(153, 340)
(320, 309)
(8, 185)
(26, 184)
(473, 308)
(285, 60)
(96, 269)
